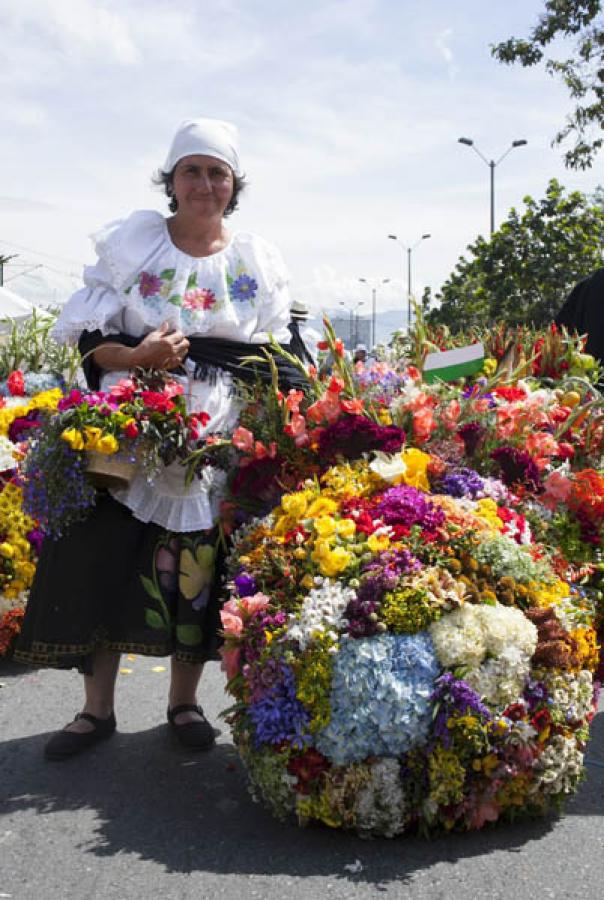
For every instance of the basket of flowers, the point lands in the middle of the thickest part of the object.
(99, 440)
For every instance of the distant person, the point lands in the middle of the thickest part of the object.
(303, 338)
(360, 354)
(583, 312)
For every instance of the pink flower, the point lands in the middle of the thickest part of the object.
(293, 400)
(486, 812)
(262, 452)
(231, 658)
(123, 391)
(255, 603)
(451, 414)
(243, 439)
(354, 407)
(296, 428)
(557, 489)
(233, 625)
(199, 298)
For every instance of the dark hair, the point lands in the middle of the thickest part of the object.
(165, 180)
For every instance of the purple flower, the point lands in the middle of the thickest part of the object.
(243, 288)
(74, 398)
(35, 538)
(19, 428)
(245, 584)
(460, 483)
(149, 284)
(454, 695)
(278, 716)
(404, 505)
(535, 693)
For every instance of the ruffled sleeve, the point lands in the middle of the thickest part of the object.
(95, 307)
(122, 248)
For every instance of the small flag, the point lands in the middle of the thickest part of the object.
(450, 365)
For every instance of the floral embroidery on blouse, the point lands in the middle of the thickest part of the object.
(154, 288)
(243, 287)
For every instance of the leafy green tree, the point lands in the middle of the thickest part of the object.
(525, 271)
(582, 72)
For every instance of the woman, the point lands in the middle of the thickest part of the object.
(180, 294)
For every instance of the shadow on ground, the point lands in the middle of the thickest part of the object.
(192, 813)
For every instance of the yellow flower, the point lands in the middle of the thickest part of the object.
(489, 366)
(322, 506)
(295, 505)
(308, 582)
(283, 525)
(74, 438)
(107, 444)
(325, 526)
(384, 417)
(378, 542)
(7, 550)
(347, 528)
(196, 570)
(416, 466)
(91, 437)
(334, 562)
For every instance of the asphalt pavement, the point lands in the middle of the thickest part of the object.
(139, 817)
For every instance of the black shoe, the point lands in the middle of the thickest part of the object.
(197, 735)
(65, 744)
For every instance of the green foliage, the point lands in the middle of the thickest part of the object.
(28, 346)
(582, 72)
(525, 271)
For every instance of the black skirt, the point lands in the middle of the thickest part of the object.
(115, 583)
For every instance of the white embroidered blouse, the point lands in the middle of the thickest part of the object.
(142, 279)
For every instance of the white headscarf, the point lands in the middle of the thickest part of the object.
(205, 137)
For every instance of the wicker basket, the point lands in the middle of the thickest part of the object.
(110, 471)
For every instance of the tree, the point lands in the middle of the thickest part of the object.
(525, 271)
(582, 73)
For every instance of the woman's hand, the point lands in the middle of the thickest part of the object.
(164, 348)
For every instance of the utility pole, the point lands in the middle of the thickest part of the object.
(3, 261)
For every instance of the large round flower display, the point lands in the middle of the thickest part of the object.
(401, 657)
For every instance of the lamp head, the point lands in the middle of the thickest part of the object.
(393, 237)
(425, 236)
(467, 141)
(519, 143)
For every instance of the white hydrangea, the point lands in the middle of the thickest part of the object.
(493, 643)
(380, 806)
(322, 613)
(559, 766)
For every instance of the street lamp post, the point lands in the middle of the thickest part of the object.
(408, 251)
(352, 310)
(491, 164)
(374, 288)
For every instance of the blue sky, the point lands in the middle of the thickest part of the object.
(349, 113)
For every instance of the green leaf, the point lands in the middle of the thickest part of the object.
(175, 299)
(150, 587)
(190, 635)
(167, 274)
(192, 280)
(154, 620)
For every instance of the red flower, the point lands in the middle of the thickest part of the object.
(16, 383)
(157, 402)
(541, 719)
(131, 430)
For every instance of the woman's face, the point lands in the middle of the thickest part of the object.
(203, 186)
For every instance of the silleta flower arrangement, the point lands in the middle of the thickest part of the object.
(141, 421)
(404, 654)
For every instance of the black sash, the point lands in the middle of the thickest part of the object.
(208, 354)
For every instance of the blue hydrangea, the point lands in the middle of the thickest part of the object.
(380, 698)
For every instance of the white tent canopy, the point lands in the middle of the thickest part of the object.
(15, 307)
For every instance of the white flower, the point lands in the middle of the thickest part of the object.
(380, 806)
(322, 613)
(389, 468)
